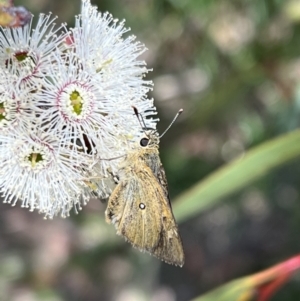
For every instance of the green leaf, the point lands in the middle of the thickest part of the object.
(260, 286)
(237, 174)
(237, 290)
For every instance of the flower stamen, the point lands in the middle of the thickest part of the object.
(2, 111)
(34, 158)
(76, 102)
(21, 56)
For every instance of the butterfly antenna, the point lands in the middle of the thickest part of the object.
(140, 118)
(174, 119)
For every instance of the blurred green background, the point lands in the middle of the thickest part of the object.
(234, 67)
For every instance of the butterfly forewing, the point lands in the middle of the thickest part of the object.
(134, 216)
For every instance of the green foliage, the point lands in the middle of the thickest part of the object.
(232, 177)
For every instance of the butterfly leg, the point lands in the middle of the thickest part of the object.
(115, 177)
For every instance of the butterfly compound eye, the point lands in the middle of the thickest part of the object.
(144, 141)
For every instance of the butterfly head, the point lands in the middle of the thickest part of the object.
(151, 139)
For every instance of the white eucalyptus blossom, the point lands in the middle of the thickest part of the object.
(16, 104)
(24, 50)
(40, 171)
(108, 55)
(112, 59)
(66, 116)
(72, 102)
